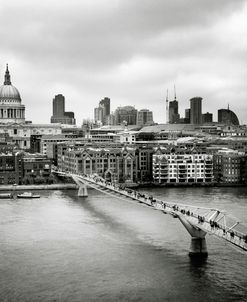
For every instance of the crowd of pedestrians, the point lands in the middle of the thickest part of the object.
(151, 201)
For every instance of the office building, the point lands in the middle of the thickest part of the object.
(173, 112)
(102, 112)
(144, 117)
(196, 110)
(187, 116)
(207, 117)
(59, 113)
(126, 115)
(105, 104)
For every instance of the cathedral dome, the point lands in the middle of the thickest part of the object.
(9, 92)
(11, 108)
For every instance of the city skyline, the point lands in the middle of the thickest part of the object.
(130, 51)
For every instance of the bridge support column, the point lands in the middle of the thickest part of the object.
(198, 246)
(82, 191)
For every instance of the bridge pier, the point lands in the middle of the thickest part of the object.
(82, 191)
(198, 246)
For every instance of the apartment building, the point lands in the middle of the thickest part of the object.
(182, 166)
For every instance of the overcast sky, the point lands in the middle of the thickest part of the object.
(129, 50)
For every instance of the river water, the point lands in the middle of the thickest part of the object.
(65, 248)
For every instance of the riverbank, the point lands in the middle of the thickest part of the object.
(60, 186)
(194, 185)
(70, 186)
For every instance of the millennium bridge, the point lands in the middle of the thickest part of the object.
(198, 221)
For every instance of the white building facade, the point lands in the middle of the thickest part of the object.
(182, 168)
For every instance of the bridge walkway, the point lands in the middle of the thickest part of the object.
(207, 220)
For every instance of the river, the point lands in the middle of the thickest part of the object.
(66, 248)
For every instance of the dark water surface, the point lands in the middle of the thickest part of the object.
(65, 248)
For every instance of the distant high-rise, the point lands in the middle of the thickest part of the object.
(59, 114)
(187, 116)
(173, 110)
(127, 114)
(58, 105)
(196, 110)
(106, 104)
(102, 112)
(144, 117)
(98, 114)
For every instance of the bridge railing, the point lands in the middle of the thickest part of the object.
(211, 220)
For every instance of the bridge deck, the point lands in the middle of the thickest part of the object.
(212, 221)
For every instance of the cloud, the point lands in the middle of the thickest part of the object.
(131, 51)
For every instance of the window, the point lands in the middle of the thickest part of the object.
(15, 131)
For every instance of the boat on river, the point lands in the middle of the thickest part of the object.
(6, 195)
(28, 195)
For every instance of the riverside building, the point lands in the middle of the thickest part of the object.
(10, 167)
(182, 166)
(128, 164)
(230, 166)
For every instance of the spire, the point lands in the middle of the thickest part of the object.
(7, 76)
(175, 97)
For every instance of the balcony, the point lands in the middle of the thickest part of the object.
(182, 175)
(182, 166)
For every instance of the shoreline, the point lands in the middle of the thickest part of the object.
(70, 186)
(39, 187)
(189, 185)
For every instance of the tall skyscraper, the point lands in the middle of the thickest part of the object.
(196, 110)
(187, 116)
(98, 114)
(58, 105)
(59, 113)
(144, 117)
(106, 103)
(173, 110)
(102, 112)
